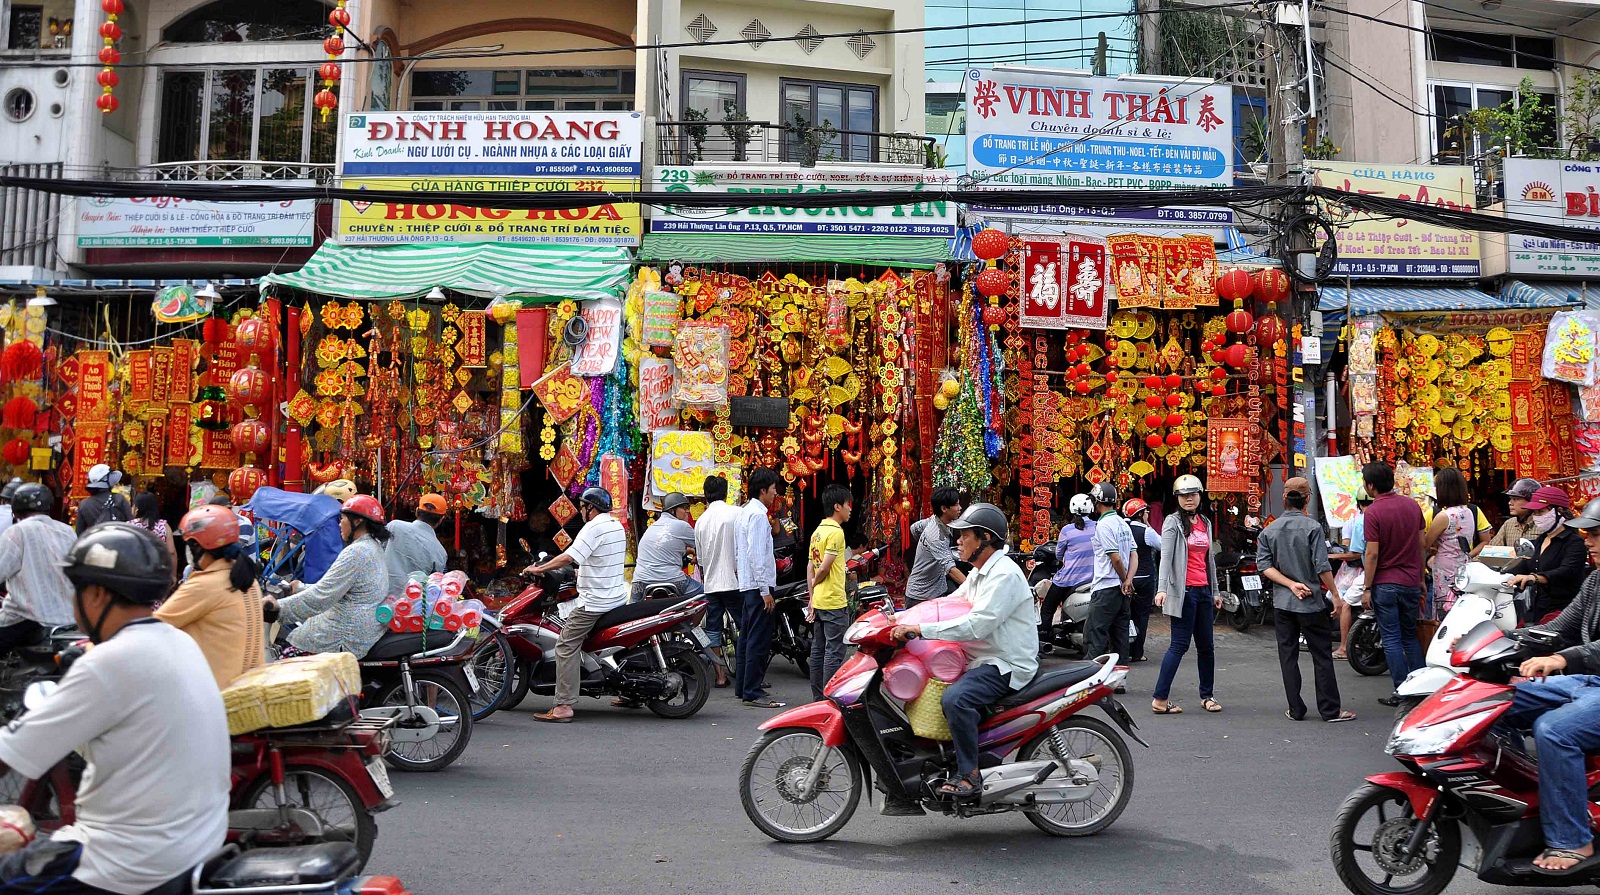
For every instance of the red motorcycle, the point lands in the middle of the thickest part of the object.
(651, 652)
(1070, 774)
(1401, 833)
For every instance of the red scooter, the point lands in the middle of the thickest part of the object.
(1070, 774)
(1401, 832)
(650, 652)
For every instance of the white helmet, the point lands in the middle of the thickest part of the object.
(1081, 505)
(1187, 484)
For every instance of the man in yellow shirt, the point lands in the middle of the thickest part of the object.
(825, 576)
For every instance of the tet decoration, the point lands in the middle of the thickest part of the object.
(1066, 282)
(680, 461)
(326, 99)
(1227, 451)
(701, 355)
(110, 32)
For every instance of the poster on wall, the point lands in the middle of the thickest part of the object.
(1553, 191)
(1065, 282)
(657, 409)
(512, 144)
(1397, 247)
(1227, 456)
(597, 356)
(1339, 482)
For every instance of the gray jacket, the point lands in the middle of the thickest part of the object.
(1174, 563)
(1579, 627)
(338, 613)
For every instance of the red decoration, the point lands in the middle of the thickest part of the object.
(1174, 439)
(1219, 355)
(111, 31)
(214, 330)
(250, 386)
(1174, 380)
(1174, 401)
(1270, 284)
(1152, 401)
(110, 56)
(1269, 329)
(251, 436)
(326, 100)
(1153, 440)
(1236, 356)
(990, 244)
(328, 71)
(106, 102)
(1240, 320)
(993, 316)
(1233, 284)
(19, 413)
(243, 482)
(1174, 420)
(1219, 374)
(333, 46)
(1218, 390)
(338, 18)
(993, 282)
(1154, 421)
(111, 7)
(17, 451)
(1111, 375)
(253, 336)
(22, 359)
(1082, 387)
(107, 78)
(1152, 382)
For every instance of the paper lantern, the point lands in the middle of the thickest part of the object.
(1236, 356)
(1152, 401)
(211, 409)
(1239, 320)
(1174, 439)
(1218, 390)
(249, 386)
(1081, 387)
(19, 413)
(17, 451)
(251, 436)
(333, 46)
(1153, 440)
(22, 359)
(110, 55)
(993, 283)
(339, 18)
(1219, 355)
(1174, 401)
(1111, 375)
(1270, 284)
(1269, 329)
(1174, 420)
(325, 100)
(1152, 382)
(107, 78)
(1219, 374)
(111, 31)
(111, 7)
(990, 244)
(328, 71)
(244, 481)
(994, 315)
(1233, 284)
(253, 335)
(1174, 380)
(106, 102)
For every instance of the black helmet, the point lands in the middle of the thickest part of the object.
(1523, 488)
(599, 498)
(32, 498)
(985, 516)
(122, 558)
(10, 489)
(1589, 518)
(1104, 493)
(673, 501)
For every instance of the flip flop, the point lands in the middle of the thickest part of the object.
(724, 685)
(1290, 715)
(968, 787)
(1168, 709)
(764, 704)
(1211, 705)
(1342, 656)
(1585, 862)
(1342, 716)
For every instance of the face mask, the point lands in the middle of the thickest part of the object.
(1544, 519)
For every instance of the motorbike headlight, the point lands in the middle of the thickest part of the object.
(1433, 739)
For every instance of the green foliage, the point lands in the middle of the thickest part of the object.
(1582, 119)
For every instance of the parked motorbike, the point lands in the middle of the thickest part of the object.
(37, 661)
(1484, 595)
(1068, 633)
(421, 680)
(1245, 602)
(1365, 647)
(1071, 775)
(1402, 831)
(330, 868)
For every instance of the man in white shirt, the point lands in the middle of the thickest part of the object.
(600, 550)
(38, 595)
(758, 575)
(1000, 636)
(716, 535)
(1116, 563)
(663, 548)
(144, 710)
(6, 493)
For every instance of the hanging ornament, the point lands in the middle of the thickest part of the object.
(249, 386)
(1269, 329)
(19, 413)
(993, 283)
(244, 481)
(110, 32)
(326, 99)
(1239, 320)
(990, 244)
(253, 336)
(1174, 381)
(1174, 439)
(21, 360)
(1152, 401)
(251, 436)
(1270, 284)
(1174, 420)
(1174, 401)
(1153, 440)
(1233, 285)
(1237, 356)
(17, 451)
(1154, 421)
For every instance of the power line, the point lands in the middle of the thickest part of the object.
(1470, 42)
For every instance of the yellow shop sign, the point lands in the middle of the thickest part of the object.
(390, 223)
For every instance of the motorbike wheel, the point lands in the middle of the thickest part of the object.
(522, 679)
(495, 665)
(1369, 833)
(1085, 737)
(455, 724)
(768, 787)
(697, 677)
(1241, 618)
(332, 800)
(1366, 648)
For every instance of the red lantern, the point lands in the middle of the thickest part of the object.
(1233, 285)
(1269, 330)
(110, 31)
(1218, 374)
(253, 336)
(106, 102)
(994, 315)
(1236, 355)
(1111, 375)
(333, 46)
(1240, 320)
(107, 78)
(1153, 440)
(993, 283)
(110, 56)
(17, 451)
(325, 100)
(1174, 439)
(1174, 401)
(1218, 355)
(1152, 382)
(1081, 370)
(1174, 420)
(251, 436)
(1152, 401)
(249, 386)
(338, 17)
(1082, 387)
(243, 482)
(328, 71)
(1111, 363)
(1174, 380)
(990, 244)
(1153, 421)
(1270, 284)
(1218, 390)
(111, 7)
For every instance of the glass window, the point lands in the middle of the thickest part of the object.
(243, 114)
(182, 115)
(1504, 50)
(232, 114)
(283, 115)
(542, 89)
(1451, 104)
(380, 78)
(1536, 52)
(237, 21)
(27, 28)
(835, 109)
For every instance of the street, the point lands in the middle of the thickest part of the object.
(623, 801)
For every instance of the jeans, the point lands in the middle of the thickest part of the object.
(1564, 713)
(755, 647)
(19, 634)
(723, 602)
(827, 647)
(1396, 606)
(963, 703)
(1317, 628)
(689, 587)
(1198, 623)
(1144, 601)
(46, 865)
(1107, 627)
(1054, 599)
(575, 629)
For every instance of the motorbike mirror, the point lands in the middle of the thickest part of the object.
(525, 547)
(37, 693)
(1525, 548)
(1462, 579)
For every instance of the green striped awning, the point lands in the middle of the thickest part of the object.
(735, 248)
(485, 269)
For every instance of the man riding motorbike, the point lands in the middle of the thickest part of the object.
(37, 594)
(219, 605)
(1000, 637)
(663, 549)
(339, 612)
(140, 709)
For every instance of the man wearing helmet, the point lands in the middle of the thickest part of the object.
(664, 548)
(37, 594)
(999, 636)
(219, 604)
(138, 707)
(9, 491)
(414, 546)
(1515, 528)
(102, 504)
(1116, 562)
(339, 612)
(599, 550)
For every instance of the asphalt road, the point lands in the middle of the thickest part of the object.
(625, 802)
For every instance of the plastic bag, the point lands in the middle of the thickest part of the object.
(1570, 347)
(16, 829)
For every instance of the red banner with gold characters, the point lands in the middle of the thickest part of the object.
(89, 450)
(614, 478)
(94, 385)
(1228, 456)
(217, 450)
(224, 361)
(178, 419)
(474, 346)
(139, 378)
(155, 445)
(161, 376)
(184, 354)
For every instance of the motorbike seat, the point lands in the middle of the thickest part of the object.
(632, 612)
(393, 645)
(303, 865)
(1047, 682)
(792, 589)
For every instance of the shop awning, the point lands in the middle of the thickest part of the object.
(485, 269)
(737, 248)
(1363, 300)
(1518, 294)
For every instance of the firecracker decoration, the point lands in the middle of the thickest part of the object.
(326, 99)
(110, 33)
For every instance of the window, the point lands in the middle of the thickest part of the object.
(845, 114)
(237, 21)
(713, 97)
(1505, 50)
(27, 24)
(18, 104)
(380, 78)
(243, 114)
(538, 89)
(1452, 103)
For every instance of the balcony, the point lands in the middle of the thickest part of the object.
(227, 171)
(30, 220)
(768, 142)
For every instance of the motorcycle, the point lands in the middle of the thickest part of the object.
(1245, 602)
(424, 687)
(1365, 649)
(1068, 633)
(1402, 831)
(330, 868)
(37, 661)
(1483, 595)
(805, 776)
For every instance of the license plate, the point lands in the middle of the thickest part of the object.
(472, 677)
(700, 637)
(1251, 582)
(379, 772)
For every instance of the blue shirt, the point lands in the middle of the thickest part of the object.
(1357, 532)
(1111, 535)
(1075, 552)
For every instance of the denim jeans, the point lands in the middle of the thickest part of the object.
(963, 703)
(755, 647)
(46, 865)
(1197, 623)
(1564, 713)
(719, 605)
(1396, 606)
(827, 647)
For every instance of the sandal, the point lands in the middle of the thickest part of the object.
(1584, 862)
(968, 787)
(1342, 716)
(1342, 656)
(1168, 709)
(1290, 715)
(764, 704)
(1211, 705)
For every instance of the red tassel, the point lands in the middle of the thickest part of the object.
(21, 360)
(19, 413)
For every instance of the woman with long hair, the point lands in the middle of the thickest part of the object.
(219, 604)
(1186, 590)
(147, 515)
(1455, 528)
(1560, 561)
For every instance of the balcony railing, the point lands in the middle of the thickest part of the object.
(30, 220)
(224, 171)
(767, 142)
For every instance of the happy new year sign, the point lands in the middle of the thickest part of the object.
(1065, 284)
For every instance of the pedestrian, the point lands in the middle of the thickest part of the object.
(414, 546)
(1292, 553)
(1074, 565)
(1511, 531)
(758, 576)
(1188, 567)
(1349, 575)
(1456, 527)
(825, 577)
(1560, 560)
(933, 572)
(147, 515)
(1392, 571)
(38, 594)
(1148, 544)
(663, 549)
(102, 504)
(1116, 563)
(716, 537)
(600, 549)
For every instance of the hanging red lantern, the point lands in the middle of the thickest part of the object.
(19, 413)
(251, 436)
(1174, 401)
(1174, 420)
(993, 316)
(1112, 362)
(1081, 370)
(333, 46)
(1174, 439)
(111, 31)
(1074, 337)
(17, 451)
(993, 282)
(111, 7)
(253, 336)
(1270, 284)
(214, 330)
(249, 386)
(1218, 374)
(1233, 284)
(1218, 390)
(990, 244)
(22, 359)
(1152, 382)
(1269, 329)
(1239, 320)
(1218, 355)
(1152, 401)
(326, 100)
(328, 71)
(1153, 440)
(1237, 356)
(1081, 387)
(339, 18)
(1174, 381)
(1154, 421)
(106, 102)
(107, 78)
(244, 481)
(1111, 375)
(109, 56)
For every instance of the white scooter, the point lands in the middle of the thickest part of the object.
(1485, 594)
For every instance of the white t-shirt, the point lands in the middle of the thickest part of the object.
(145, 710)
(600, 549)
(716, 535)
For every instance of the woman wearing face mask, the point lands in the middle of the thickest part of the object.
(1560, 560)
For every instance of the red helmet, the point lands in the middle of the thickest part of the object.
(366, 507)
(1134, 507)
(210, 526)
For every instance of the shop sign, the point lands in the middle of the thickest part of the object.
(1553, 191)
(1184, 218)
(1396, 247)
(657, 410)
(424, 222)
(597, 356)
(1066, 282)
(1059, 129)
(935, 218)
(512, 144)
(157, 222)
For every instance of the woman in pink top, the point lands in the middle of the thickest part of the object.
(1450, 538)
(1186, 590)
